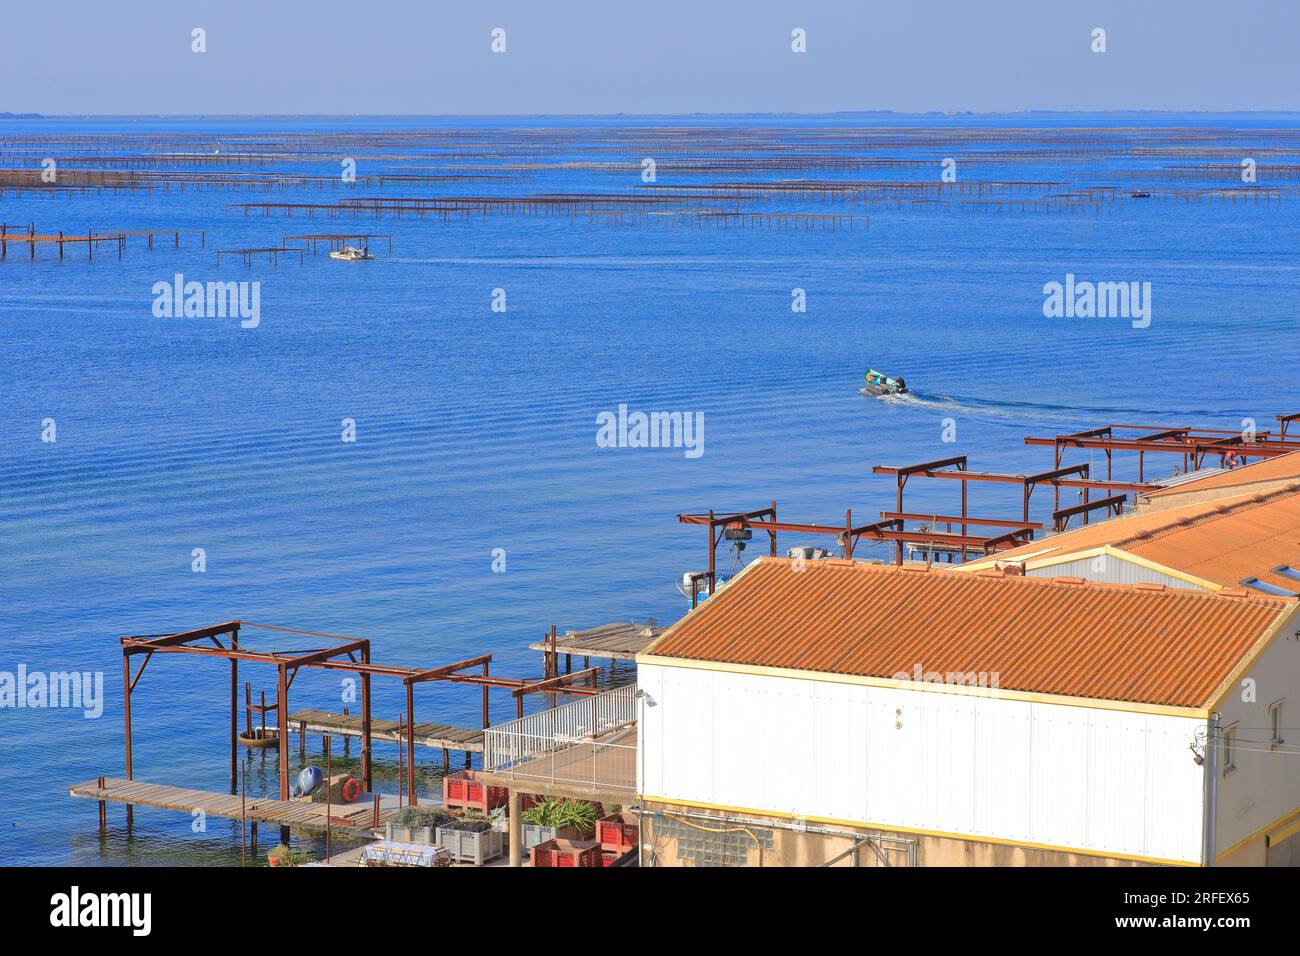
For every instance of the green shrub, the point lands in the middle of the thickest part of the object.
(558, 814)
(284, 856)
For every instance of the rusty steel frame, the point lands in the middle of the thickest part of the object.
(1283, 421)
(557, 684)
(957, 468)
(287, 663)
(890, 529)
(1113, 503)
(1194, 444)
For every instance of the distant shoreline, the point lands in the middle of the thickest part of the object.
(841, 114)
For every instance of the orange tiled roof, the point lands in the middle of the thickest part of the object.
(1223, 541)
(1277, 468)
(1137, 644)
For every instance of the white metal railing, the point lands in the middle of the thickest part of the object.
(588, 742)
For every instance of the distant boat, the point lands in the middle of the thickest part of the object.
(878, 383)
(1139, 194)
(351, 254)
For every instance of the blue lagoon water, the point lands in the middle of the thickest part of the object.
(476, 429)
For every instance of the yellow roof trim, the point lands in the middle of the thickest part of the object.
(1165, 569)
(1033, 563)
(993, 561)
(1280, 824)
(1286, 831)
(1286, 615)
(961, 690)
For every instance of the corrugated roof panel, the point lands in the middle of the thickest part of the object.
(1137, 644)
(1222, 541)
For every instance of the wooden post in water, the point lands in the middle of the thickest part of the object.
(365, 720)
(282, 714)
(400, 751)
(410, 742)
(243, 817)
(126, 718)
(234, 713)
(329, 796)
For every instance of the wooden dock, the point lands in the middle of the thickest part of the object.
(359, 818)
(441, 736)
(600, 768)
(33, 239)
(618, 641)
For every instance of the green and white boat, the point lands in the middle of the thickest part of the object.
(878, 383)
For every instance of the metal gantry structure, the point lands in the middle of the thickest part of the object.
(222, 641)
(891, 528)
(1196, 445)
(1072, 476)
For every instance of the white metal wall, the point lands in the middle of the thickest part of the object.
(1036, 773)
(1265, 786)
(1110, 569)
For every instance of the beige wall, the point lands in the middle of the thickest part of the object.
(1286, 853)
(1176, 499)
(664, 825)
(1264, 789)
(1254, 853)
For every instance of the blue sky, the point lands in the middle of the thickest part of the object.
(667, 56)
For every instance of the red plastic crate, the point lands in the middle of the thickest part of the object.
(461, 791)
(567, 853)
(609, 857)
(618, 831)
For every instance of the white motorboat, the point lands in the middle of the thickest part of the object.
(351, 254)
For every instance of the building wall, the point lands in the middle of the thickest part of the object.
(1110, 569)
(676, 835)
(1191, 496)
(1264, 789)
(1110, 782)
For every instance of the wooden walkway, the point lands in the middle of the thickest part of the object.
(349, 725)
(618, 641)
(302, 812)
(603, 768)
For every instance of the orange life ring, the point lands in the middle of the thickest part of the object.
(351, 790)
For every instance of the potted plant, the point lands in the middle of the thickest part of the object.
(471, 838)
(416, 824)
(551, 819)
(282, 855)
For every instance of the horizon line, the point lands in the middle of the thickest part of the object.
(569, 115)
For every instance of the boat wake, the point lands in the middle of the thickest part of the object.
(969, 405)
